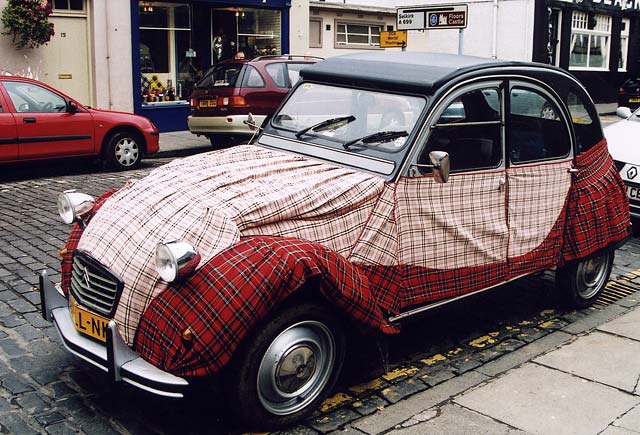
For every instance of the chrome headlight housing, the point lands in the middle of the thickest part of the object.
(175, 260)
(72, 205)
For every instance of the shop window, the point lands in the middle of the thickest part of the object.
(590, 41)
(315, 33)
(357, 35)
(67, 5)
(167, 67)
(255, 32)
(624, 44)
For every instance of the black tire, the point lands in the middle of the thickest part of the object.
(124, 150)
(581, 283)
(219, 141)
(283, 371)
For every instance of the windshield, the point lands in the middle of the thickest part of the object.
(346, 116)
(220, 76)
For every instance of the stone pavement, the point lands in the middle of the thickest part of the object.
(583, 379)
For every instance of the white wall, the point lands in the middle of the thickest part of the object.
(26, 62)
(299, 27)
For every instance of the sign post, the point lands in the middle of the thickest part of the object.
(434, 17)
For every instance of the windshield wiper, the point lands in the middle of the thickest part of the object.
(379, 137)
(324, 125)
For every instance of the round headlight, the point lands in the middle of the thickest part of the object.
(175, 260)
(73, 205)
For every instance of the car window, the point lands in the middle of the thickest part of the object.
(30, 98)
(277, 72)
(294, 72)
(587, 132)
(252, 78)
(220, 76)
(534, 129)
(469, 130)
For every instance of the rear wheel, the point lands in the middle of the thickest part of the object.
(282, 373)
(225, 140)
(123, 150)
(582, 282)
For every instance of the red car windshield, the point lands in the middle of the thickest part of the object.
(220, 76)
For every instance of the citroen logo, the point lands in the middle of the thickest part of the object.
(85, 275)
(632, 172)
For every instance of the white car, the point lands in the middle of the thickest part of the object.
(622, 138)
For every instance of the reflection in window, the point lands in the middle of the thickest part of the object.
(166, 59)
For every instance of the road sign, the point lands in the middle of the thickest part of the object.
(433, 17)
(393, 39)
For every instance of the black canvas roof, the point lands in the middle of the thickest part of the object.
(421, 72)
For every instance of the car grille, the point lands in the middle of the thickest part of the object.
(94, 286)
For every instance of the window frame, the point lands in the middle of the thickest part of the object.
(364, 46)
(579, 26)
(624, 45)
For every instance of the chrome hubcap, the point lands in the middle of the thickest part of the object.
(296, 367)
(591, 276)
(127, 152)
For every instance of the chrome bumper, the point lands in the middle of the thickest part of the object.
(116, 358)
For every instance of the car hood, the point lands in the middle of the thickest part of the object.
(622, 139)
(212, 200)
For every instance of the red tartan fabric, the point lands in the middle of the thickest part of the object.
(598, 208)
(235, 290)
(66, 264)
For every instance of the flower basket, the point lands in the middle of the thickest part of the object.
(27, 21)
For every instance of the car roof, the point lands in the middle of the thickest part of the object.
(421, 72)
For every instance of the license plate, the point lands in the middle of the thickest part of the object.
(634, 100)
(208, 103)
(633, 192)
(88, 323)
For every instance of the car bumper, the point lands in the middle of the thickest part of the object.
(232, 124)
(116, 357)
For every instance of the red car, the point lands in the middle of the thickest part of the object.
(227, 92)
(39, 122)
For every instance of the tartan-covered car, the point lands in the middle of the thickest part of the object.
(251, 262)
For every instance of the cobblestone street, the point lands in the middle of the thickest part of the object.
(45, 389)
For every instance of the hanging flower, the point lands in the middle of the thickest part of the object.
(27, 21)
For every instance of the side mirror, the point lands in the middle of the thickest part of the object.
(72, 107)
(623, 112)
(441, 165)
(251, 123)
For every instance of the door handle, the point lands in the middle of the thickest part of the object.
(501, 183)
(28, 120)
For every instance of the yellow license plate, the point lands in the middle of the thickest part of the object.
(88, 323)
(634, 100)
(208, 103)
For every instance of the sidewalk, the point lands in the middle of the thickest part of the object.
(583, 379)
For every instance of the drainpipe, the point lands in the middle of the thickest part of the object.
(108, 36)
(494, 44)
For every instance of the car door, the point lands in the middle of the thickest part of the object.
(453, 236)
(44, 126)
(8, 133)
(540, 155)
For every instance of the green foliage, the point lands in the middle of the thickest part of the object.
(27, 21)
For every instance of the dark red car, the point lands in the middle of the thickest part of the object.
(231, 89)
(39, 122)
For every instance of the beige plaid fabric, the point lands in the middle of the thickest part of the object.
(537, 195)
(211, 200)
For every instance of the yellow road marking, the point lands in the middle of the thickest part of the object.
(334, 401)
(394, 374)
(484, 340)
(434, 359)
(367, 386)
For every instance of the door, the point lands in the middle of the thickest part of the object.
(8, 133)
(538, 177)
(44, 127)
(70, 74)
(453, 236)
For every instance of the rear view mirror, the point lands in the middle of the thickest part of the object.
(72, 107)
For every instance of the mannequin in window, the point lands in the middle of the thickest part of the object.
(219, 44)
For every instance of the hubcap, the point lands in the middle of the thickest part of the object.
(127, 152)
(296, 367)
(591, 276)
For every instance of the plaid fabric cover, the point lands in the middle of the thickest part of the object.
(235, 290)
(598, 209)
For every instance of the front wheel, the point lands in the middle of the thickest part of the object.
(124, 151)
(282, 373)
(582, 282)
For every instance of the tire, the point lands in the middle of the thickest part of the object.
(548, 112)
(224, 140)
(124, 151)
(282, 373)
(581, 283)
